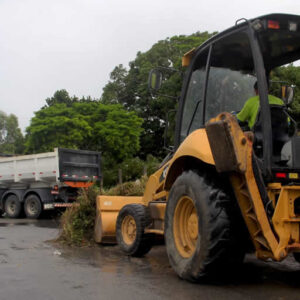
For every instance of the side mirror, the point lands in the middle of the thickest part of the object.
(290, 94)
(287, 94)
(154, 80)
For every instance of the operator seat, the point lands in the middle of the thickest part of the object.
(280, 132)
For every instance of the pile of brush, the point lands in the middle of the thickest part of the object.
(77, 222)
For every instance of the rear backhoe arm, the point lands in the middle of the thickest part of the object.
(232, 152)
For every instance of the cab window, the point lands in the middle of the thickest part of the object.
(231, 75)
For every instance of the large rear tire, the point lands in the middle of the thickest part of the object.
(131, 223)
(32, 207)
(201, 240)
(12, 206)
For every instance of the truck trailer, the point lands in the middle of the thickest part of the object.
(32, 183)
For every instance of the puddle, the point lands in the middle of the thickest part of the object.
(47, 224)
(42, 223)
(17, 248)
(14, 224)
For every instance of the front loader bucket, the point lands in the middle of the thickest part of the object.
(107, 210)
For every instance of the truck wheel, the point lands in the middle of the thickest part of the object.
(131, 222)
(12, 206)
(200, 239)
(32, 207)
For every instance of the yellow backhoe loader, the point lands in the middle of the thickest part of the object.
(224, 190)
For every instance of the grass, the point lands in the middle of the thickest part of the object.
(77, 222)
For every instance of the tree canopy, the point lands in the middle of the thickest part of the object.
(84, 124)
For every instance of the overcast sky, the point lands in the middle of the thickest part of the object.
(47, 45)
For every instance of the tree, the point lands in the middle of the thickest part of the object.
(89, 125)
(56, 126)
(129, 88)
(116, 87)
(117, 132)
(11, 138)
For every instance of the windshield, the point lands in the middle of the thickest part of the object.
(231, 80)
(227, 91)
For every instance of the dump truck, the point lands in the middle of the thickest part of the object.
(224, 190)
(33, 183)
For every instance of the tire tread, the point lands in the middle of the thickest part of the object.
(223, 247)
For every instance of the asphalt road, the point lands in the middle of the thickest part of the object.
(33, 268)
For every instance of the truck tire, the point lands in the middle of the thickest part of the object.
(200, 238)
(32, 207)
(12, 206)
(131, 223)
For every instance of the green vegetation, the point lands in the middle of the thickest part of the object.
(85, 124)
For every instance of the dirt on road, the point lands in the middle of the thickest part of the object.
(33, 268)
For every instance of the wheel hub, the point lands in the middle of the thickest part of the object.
(12, 207)
(193, 226)
(128, 230)
(185, 227)
(32, 207)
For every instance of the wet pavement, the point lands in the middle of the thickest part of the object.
(33, 268)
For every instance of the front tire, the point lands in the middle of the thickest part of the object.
(131, 223)
(32, 207)
(200, 237)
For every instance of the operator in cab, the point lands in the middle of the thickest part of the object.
(249, 112)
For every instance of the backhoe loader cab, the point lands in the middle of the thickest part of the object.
(222, 186)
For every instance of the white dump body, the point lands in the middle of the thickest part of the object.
(30, 170)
